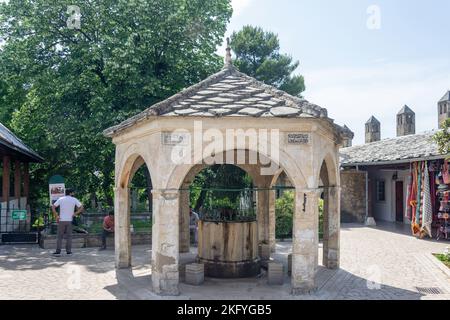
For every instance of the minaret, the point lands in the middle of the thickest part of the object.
(406, 122)
(444, 109)
(348, 136)
(373, 131)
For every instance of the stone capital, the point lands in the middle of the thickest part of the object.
(310, 191)
(167, 194)
(120, 189)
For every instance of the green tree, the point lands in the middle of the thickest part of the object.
(66, 85)
(442, 138)
(258, 55)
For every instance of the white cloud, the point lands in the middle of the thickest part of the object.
(239, 6)
(353, 94)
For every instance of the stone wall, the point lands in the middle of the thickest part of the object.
(353, 196)
(93, 240)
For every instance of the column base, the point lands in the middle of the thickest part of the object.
(166, 285)
(370, 222)
(184, 249)
(332, 264)
(303, 290)
(331, 259)
(122, 261)
(123, 265)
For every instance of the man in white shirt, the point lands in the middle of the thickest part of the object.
(67, 206)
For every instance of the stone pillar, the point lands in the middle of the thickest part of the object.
(165, 242)
(331, 228)
(122, 238)
(263, 215)
(185, 238)
(305, 241)
(6, 179)
(272, 238)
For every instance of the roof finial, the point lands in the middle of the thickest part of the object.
(228, 54)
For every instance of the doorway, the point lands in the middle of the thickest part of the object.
(399, 203)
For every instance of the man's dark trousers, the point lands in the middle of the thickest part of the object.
(64, 227)
(104, 235)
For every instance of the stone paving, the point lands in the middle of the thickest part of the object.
(376, 263)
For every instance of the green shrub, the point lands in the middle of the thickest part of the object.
(284, 210)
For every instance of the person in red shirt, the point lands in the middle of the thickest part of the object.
(108, 228)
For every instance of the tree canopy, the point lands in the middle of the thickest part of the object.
(258, 55)
(442, 138)
(64, 85)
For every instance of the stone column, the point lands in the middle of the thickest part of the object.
(165, 242)
(331, 228)
(122, 238)
(185, 237)
(305, 241)
(272, 238)
(263, 215)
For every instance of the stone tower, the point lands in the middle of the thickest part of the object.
(373, 130)
(444, 108)
(348, 136)
(406, 122)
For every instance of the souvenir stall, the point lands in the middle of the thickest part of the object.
(428, 201)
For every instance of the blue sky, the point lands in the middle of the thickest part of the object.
(352, 67)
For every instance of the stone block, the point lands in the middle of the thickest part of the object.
(275, 274)
(195, 274)
(264, 251)
(370, 222)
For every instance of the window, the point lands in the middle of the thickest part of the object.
(381, 190)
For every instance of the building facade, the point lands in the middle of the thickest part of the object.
(377, 178)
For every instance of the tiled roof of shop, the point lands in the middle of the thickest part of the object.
(405, 148)
(11, 141)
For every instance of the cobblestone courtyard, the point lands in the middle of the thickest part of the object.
(376, 263)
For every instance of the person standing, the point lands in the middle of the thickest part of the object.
(108, 228)
(69, 206)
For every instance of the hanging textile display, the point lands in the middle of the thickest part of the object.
(416, 202)
(421, 203)
(408, 212)
(427, 214)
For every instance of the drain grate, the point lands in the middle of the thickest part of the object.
(429, 290)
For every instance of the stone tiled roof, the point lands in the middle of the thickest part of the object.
(10, 141)
(228, 93)
(405, 148)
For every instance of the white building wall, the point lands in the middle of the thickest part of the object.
(385, 210)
